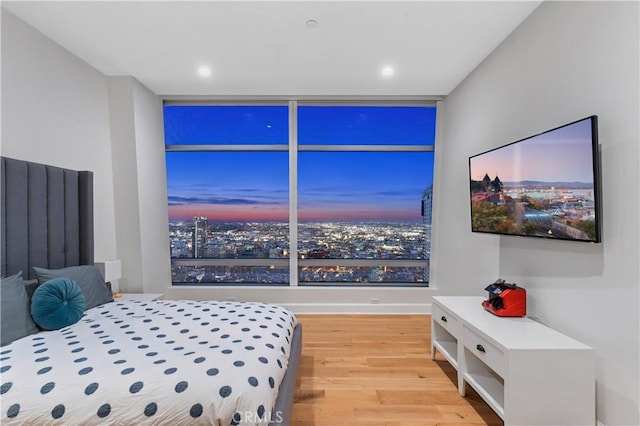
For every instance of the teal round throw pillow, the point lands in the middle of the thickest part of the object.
(57, 303)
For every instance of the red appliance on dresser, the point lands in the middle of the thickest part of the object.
(506, 300)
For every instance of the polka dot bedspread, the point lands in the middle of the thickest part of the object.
(155, 362)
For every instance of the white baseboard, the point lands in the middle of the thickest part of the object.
(318, 300)
(359, 308)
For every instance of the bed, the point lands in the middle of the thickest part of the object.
(72, 355)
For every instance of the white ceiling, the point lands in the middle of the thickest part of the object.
(265, 48)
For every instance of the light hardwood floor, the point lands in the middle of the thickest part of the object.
(376, 370)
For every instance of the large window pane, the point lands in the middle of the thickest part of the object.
(225, 125)
(223, 205)
(228, 187)
(367, 206)
(381, 187)
(366, 125)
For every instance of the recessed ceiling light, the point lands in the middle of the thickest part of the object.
(388, 71)
(204, 71)
(311, 23)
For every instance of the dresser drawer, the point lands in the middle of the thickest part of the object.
(487, 352)
(448, 321)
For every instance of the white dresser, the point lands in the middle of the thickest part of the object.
(528, 373)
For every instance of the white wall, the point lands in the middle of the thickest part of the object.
(568, 60)
(55, 110)
(139, 184)
(152, 178)
(125, 176)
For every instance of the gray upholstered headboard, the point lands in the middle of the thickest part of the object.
(47, 217)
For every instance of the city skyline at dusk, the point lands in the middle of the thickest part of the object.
(351, 187)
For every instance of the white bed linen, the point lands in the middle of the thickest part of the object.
(155, 362)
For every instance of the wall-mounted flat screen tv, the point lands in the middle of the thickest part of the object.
(546, 186)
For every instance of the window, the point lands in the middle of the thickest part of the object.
(349, 193)
(226, 125)
(362, 174)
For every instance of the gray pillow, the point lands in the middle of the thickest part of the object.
(87, 277)
(15, 309)
(31, 286)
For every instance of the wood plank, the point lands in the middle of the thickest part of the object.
(376, 370)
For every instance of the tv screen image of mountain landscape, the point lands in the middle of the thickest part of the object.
(543, 186)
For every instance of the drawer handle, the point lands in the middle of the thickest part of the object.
(480, 348)
(443, 318)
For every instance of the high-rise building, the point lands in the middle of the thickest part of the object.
(427, 198)
(199, 236)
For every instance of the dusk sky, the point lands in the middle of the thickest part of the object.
(332, 186)
(563, 155)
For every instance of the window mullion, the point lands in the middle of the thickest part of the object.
(366, 148)
(293, 194)
(234, 147)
